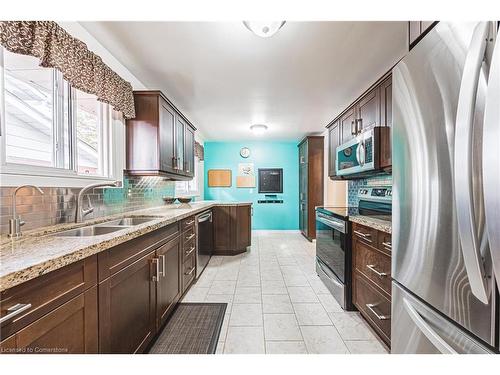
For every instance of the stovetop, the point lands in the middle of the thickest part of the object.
(345, 212)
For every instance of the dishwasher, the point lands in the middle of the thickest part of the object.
(205, 240)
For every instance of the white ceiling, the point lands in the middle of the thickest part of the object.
(224, 78)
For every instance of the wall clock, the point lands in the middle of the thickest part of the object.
(245, 152)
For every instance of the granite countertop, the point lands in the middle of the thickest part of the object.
(382, 225)
(38, 252)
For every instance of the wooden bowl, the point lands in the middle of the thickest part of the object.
(185, 199)
(168, 200)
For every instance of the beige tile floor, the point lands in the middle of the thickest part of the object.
(277, 304)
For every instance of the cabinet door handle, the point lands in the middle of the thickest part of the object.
(15, 310)
(162, 272)
(373, 269)
(365, 236)
(156, 276)
(371, 307)
(360, 129)
(189, 273)
(353, 128)
(302, 160)
(190, 251)
(189, 237)
(388, 245)
(190, 222)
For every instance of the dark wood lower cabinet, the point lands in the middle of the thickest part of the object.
(118, 300)
(127, 307)
(232, 229)
(169, 288)
(372, 278)
(70, 328)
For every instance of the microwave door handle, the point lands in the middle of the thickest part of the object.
(464, 200)
(491, 159)
(427, 330)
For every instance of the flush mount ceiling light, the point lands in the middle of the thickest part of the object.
(258, 128)
(264, 29)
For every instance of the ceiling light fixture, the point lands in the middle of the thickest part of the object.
(258, 129)
(264, 29)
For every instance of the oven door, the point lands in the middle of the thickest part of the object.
(331, 255)
(357, 155)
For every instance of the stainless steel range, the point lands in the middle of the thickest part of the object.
(333, 239)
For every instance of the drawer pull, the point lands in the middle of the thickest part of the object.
(189, 272)
(190, 251)
(189, 222)
(387, 245)
(15, 310)
(189, 237)
(371, 307)
(365, 236)
(371, 267)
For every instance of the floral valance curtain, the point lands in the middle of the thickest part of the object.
(83, 69)
(199, 151)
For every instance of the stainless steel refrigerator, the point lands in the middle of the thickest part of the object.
(446, 192)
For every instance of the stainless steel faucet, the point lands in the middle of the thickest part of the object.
(82, 212)
(16, 223)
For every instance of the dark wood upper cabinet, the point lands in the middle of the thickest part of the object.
(333, 142)
(189, 151)
(368, 111)
(386, 102)
(127, 307)
(348, 125)
(167, 137)
(373, 108)
(310, 183)
(169, 288)
(159, 139)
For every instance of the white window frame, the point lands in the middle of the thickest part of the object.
(112, 157)
(182, 187)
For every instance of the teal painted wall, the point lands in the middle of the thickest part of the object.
(226, 155)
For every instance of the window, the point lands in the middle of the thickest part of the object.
(31, 125)
(191, 187)
(49, 127)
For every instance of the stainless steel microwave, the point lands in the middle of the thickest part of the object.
(364, 153)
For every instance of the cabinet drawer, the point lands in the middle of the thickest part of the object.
(188, 271)
(117, 258)
(385, 242)
(45, 293)
(70, 328)
(372, 263)
(188, 235)
(188, 249)
(365, 234)
(187, 223)
(374, 306)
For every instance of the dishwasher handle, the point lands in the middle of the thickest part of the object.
(206, 216)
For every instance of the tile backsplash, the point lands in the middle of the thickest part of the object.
(57, 205)
(354, 185)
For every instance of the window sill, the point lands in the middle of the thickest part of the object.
(8, 179)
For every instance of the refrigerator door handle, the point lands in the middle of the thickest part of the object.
(431, 335)
(464, 199)
(491, 159)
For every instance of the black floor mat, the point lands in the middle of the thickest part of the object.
(194, 328)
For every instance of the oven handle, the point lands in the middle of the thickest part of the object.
(331, 224)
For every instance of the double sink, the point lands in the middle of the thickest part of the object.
(106, 227)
